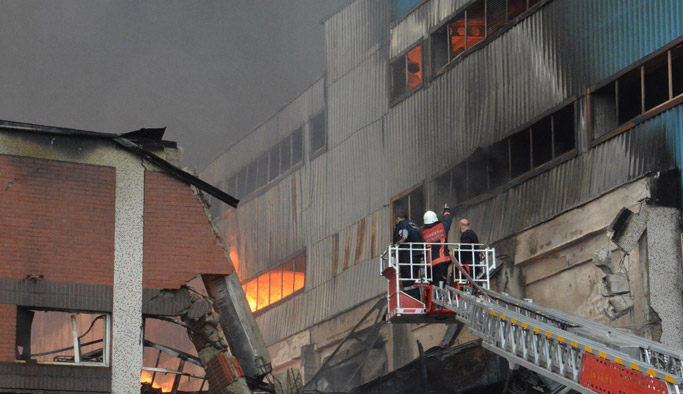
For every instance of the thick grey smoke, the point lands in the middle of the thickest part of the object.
(209, 71)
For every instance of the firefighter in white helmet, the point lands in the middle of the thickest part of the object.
(435, 232)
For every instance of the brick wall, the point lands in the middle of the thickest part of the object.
(179, 240)
(57, 220)
(8, 330)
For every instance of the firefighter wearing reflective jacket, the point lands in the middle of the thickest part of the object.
(436, 233)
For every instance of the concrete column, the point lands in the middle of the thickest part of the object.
(666, 272)
(126, 352)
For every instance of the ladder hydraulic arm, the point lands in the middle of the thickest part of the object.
(583, 355)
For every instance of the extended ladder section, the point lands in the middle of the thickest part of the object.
(578, 353)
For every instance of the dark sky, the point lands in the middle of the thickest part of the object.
(207, 70)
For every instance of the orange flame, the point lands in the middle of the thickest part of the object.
(146, 377)
(261, 292)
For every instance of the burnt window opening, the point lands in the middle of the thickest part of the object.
(411, 204)
(487, 169)
(628, 96)
(656, 81)
(604, 110)
(643, 88)
(276, 284)
(498, 163)
(297, 147)
(520, 153)
(262, 171)
(169, 358)
(75, 338)
(477, 182)
(318, 134)
(285, 155)
(252, 176)
(564, 139)
(242, 183)
(274, 155)
(472, 25)
(677, 70)
(406, 72)
(542, 142)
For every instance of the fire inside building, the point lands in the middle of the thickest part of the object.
(553, 126)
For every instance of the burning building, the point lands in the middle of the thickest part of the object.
(101, 235)
(539, 120)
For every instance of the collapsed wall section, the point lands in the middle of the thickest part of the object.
(179, 239)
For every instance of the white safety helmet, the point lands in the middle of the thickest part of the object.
(430, 217)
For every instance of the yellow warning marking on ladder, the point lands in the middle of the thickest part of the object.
(618, 361)
(574, 344)
(603, 354)
(524, 325)
(635, 366)
(589, 349)
(652, 373)
(503, 317)
(549, 335)
(669, 379)
(493, 312)
(559, 338)
(537, 330)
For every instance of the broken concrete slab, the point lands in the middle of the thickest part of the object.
(618, 306)
(615, 284)
(603, 260)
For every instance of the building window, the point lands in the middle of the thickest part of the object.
(411, 204)
(471, 25)
(277, 284)
(74, 338)
(401, 7)
(486, 169)
(406, 72)
(318, 132)
(641, 89)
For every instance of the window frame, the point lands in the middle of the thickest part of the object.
(406, 193)
(106, 338)
(644, 114)
(317, 152)
(435, 72)
(283, 298)
(393, 100)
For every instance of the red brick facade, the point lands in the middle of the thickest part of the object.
(179, 241)
(57, 220)
(8, 321)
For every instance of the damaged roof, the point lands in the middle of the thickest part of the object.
(136, 142)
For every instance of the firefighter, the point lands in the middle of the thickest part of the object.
(436, 232)
(406, 231)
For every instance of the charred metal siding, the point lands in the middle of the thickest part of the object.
(337, 205)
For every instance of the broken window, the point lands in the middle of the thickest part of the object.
(297, 147)
(656, 81)
(170, 359)
(262, 171)
(443, 186)
(628, 96)
(542, 141)
(285, 155)
(476, 173)
(276, 284)
(77, 338)
(520, 153)
(604, 110)
(406, 72)
(563, 131)
(242, 183)
(411, 204)
(499, 163)
(252, 176)
(641, 89)
(274, 155)
(459, 183)
(677, 70)
(318, 134)
(471, 25)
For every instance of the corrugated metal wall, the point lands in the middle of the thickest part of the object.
(337, 205)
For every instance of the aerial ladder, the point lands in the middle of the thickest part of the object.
(580, 354)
